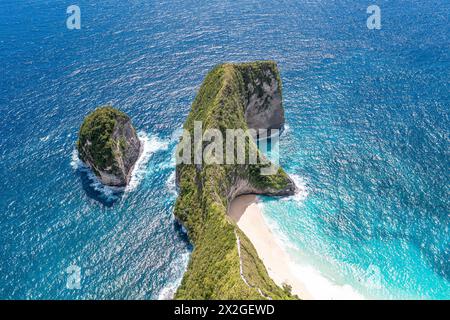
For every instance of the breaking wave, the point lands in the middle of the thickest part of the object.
(168, 292)
(151, 145)
(302, 192)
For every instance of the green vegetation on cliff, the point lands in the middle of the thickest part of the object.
(206, 190)
(96, 134)
(109, 145)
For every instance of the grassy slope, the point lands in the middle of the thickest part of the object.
(213, 271)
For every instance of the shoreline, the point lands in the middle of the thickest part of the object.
(244, 210)
(310, 284)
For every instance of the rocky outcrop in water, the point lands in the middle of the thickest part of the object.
(109, 145)
(233, 96)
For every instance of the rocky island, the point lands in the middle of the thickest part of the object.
(224, 264)
(108, 144)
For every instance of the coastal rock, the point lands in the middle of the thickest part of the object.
(243, 186)
(233, 96)
(263, 103)
(109, 145)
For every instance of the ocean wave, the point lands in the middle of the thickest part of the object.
(302, 192)
(151, 145)
(171, 183)
(168, 292)
(108, 192)
(74, 73)
(44, 139)
(320, 287)
(286, 129)
(317, 285)
(76, 162)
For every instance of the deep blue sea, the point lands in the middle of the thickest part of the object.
(367, 140)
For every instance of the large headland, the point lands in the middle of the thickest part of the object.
(224, 264)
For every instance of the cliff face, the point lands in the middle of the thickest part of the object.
(263, 99)
(109, 145)
(232, 96)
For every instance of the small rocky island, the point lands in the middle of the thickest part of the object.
(108, 144)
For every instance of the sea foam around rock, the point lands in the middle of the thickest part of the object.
(150, 145)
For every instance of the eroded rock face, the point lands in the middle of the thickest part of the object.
(243, 186)
(109, 145)
(235, 96)
(264, 108)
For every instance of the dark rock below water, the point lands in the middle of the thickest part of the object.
(109, 145)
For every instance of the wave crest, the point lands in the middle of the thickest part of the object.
(168, 292)
(302, 192)
(150, 145)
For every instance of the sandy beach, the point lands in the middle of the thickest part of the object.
(306, 282)
(245, 211)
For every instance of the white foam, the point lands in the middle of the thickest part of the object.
(44, 139)
(168, 292)
(320, 287)
(108, 192)
(176, 134)
(184, 230)
(150, 145)
(75, 162)
(171, 184)
(316, 284)
(74, 73)
(302, 192)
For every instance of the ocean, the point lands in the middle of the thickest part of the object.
(367, 140)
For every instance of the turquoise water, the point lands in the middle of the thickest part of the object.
(367, 137)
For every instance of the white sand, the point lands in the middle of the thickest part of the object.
(306, 282)
(245, 212)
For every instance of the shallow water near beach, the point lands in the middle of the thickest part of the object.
(367, 139)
